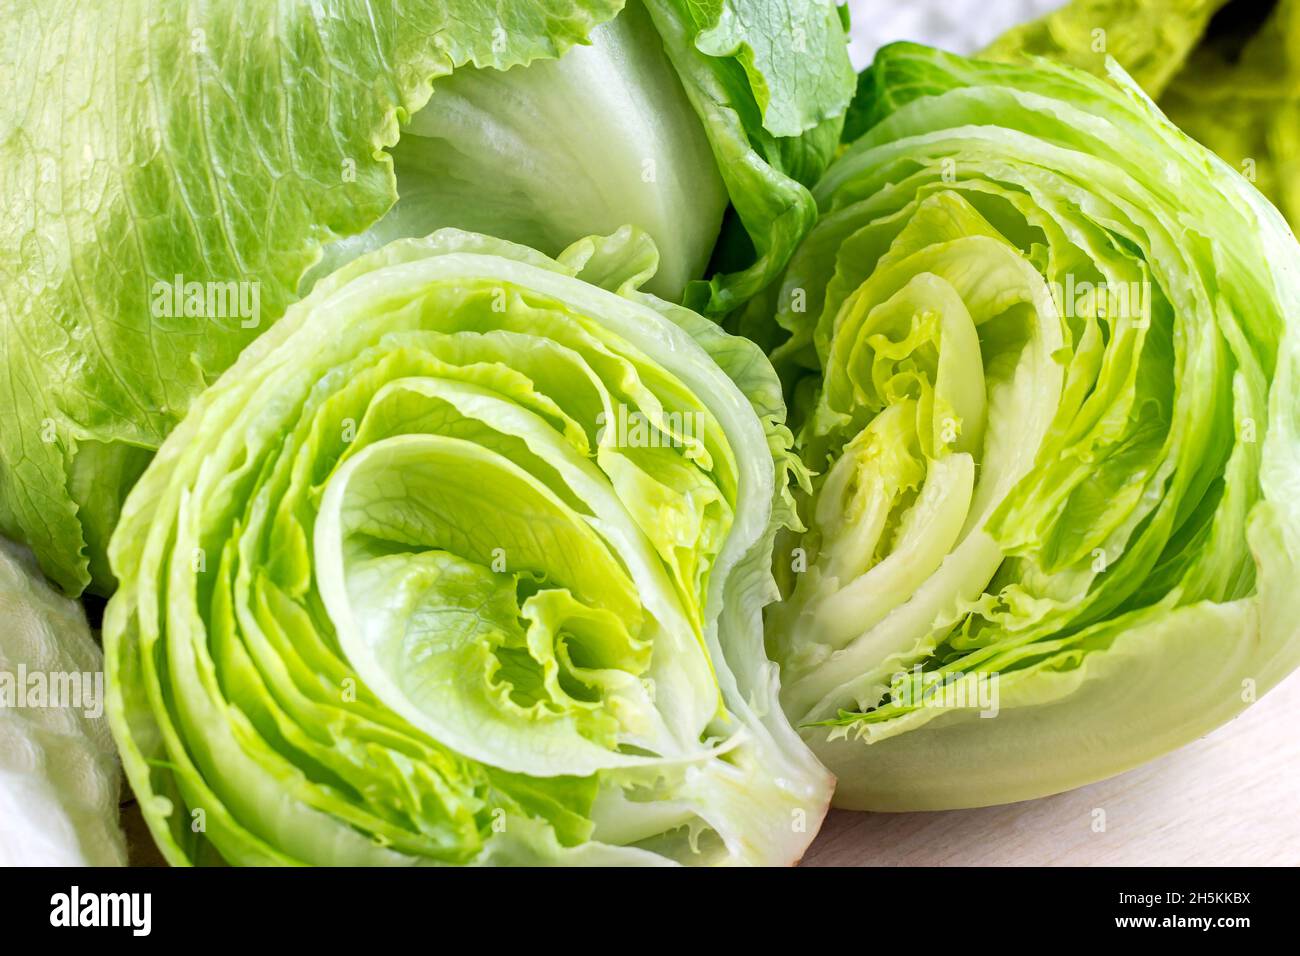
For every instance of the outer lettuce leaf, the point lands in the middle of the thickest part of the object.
(620, 143)
(1151, 39)
(1240, 96)
(463, 563)
(187, 151)
(772, 82)
(1231, 81)
(1044, 352)
(59, 775)
(229, 142)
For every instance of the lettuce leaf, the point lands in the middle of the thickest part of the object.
(169, 189)
(59, 773)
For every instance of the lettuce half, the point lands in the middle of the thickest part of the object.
(463, 562)
(1047, 363)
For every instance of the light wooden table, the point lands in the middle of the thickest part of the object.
(1231, 798)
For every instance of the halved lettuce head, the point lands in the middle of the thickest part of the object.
(1046, 354)
(195, 167)
(1151, 39)
(463, 562)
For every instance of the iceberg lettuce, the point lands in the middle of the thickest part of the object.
(463, 562)
(1045, 357)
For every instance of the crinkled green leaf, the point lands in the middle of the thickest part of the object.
(227, 147)
(175, 143)
(771, 82)
(1151, 39)
(1227, 73)
(1240, 96)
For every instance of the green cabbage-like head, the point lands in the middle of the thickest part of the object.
(463, 562)
(1046, 350)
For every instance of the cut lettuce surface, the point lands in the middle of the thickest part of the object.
(1045, 360)
(169, 189)
(463, 562)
